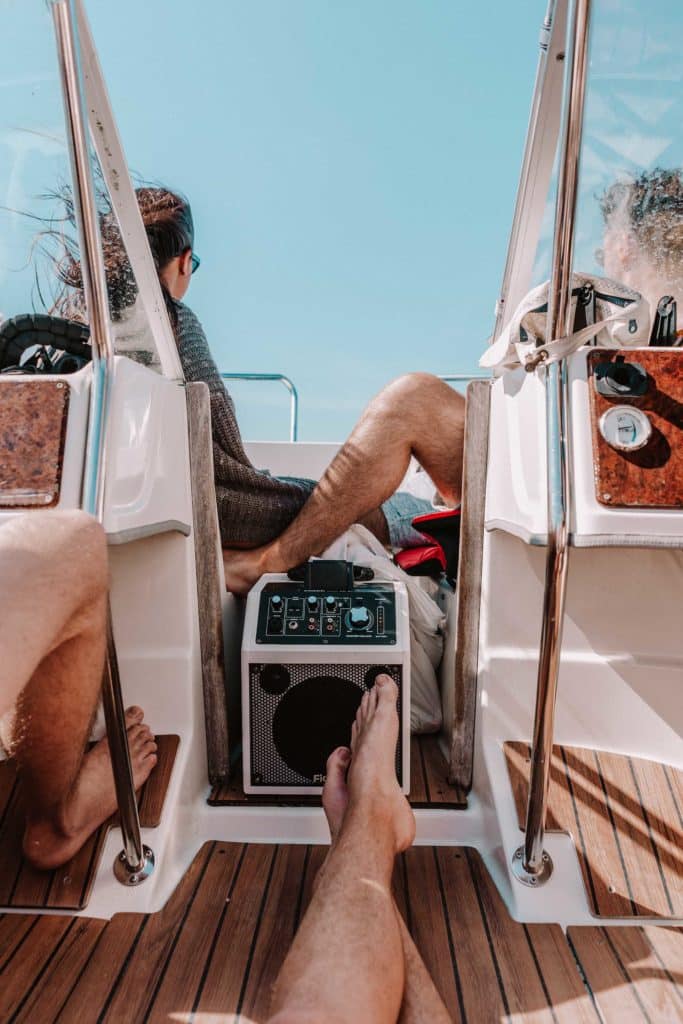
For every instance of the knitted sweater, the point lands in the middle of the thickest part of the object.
(253, 506)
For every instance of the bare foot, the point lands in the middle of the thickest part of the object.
(50, 842)
(244, 568)
(372, 774)
(335, 791)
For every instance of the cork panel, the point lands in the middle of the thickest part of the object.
(33, 417)
(651, 477)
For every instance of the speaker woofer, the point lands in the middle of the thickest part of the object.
(312, 720)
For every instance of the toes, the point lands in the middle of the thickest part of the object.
(354, 735)
(363, 710)
(386, 690)
(134, 714)
(337, 764)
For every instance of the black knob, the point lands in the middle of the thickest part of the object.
(312, 602)
(330, 603)
(274, 679)
(276, 602)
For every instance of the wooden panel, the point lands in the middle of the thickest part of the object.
(629, 980)
(469, 584)
(67, 887)
(209, 582)
(33, 416)
(185, 969)
(216, 947)
(48, 994)
(426, 904)
(429, 785)
(651, 477)
(622, 813)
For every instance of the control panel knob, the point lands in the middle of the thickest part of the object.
(276, 602)
(359, 617)
(330, 603)
(312, 603)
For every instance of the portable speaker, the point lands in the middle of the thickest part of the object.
(308, 656)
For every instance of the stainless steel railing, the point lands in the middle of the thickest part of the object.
(531, 863)
(455, 378)
(293, 395)
(135, 862)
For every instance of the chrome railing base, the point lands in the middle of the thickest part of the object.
(127, 875)
(522, 871)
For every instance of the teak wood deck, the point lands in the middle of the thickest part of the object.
(429, 785)
(625, 816)
(216, 948)
(68, 887)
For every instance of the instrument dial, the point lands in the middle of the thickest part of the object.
(625, 428)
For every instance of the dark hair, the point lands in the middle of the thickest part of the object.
(167, 218)
(652, 209)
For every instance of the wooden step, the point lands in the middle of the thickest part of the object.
(429, 785)
(68, 887)
(625, 816)
(218, 944)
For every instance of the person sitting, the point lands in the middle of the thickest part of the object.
(269, 523)
(53, 600)
(352, 958)
(643, 239)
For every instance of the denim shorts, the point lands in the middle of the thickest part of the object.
(399, 512)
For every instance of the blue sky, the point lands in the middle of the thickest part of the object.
(352, 169)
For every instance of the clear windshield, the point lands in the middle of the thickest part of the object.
(630, 216)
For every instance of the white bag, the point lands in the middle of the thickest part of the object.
(622, 320)
(427, 623)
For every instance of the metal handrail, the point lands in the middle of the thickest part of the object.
(463, 378)
(293, 395)
(531, 864)
(136, 861)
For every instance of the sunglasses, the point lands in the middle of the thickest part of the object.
(196, 262)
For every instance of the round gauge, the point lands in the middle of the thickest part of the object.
(625, 428)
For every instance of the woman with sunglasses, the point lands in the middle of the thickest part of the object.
(253, 507)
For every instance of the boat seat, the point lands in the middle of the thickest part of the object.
(63, 344)
(439, 555)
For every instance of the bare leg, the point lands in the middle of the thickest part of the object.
(53, 568)
(417, 415)
(421, 1004)
(346, 961)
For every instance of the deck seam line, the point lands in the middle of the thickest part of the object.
(653, 844)
(582, 838)
(19, 944)
(300, 897)
(217, 930)
(451, 943)
(669, 783)
(424, 772)
(122, 969)
(257, 930)
(95, 858)
(80, 974)
(624, 971)
(181, 925)
(36, 981)
(608, 807)
(584, 978)
(489, 939)
(540, 973)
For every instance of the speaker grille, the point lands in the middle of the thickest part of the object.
(293, 732)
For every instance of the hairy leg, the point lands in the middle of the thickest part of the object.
(346, 961)
(53, 568)
(421, 1003)
(416, 415)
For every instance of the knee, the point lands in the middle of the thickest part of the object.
(83, 548)
(410, 392)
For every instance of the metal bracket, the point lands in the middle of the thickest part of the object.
(127, 875)
(527, 877)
